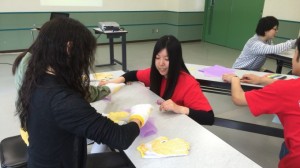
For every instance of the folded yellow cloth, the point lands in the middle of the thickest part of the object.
(102, 76)
(119, 117)
(24, 136)
(163, 147)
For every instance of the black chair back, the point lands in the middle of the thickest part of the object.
(58, 14)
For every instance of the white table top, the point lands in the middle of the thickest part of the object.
(289, 53)
(207, 150)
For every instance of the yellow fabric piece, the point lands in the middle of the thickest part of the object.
(138, 117)
(24, 136)
(163, 147)
(102, 76)
(115, 87)
(119, 116)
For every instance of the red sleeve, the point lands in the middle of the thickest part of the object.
(290, 161)
(144, 76)
(264, 101)
(194, 97)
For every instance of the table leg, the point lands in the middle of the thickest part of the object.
(279, 66)
(111, 50)
(124, 63)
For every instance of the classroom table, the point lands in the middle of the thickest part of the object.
(111, 35)
(215, 84)
(283, 59)
(211, 84)
(207, 150)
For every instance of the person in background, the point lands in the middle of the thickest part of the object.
(169, 78)
(253, 55)
(20, 67)
(280, 97)
(52, 100)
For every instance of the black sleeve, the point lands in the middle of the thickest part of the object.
(75, 115)
(130, 76)
(202, 117)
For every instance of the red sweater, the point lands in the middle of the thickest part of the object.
(187, 92)
(281, 98)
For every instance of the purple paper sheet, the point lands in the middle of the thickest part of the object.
(148, 129)
(216, 71)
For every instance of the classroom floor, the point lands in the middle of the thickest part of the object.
(260, 148)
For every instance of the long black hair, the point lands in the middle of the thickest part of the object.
(297, 44)
(50, 51)
(176, 64)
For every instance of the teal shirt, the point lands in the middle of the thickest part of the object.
(96, 92)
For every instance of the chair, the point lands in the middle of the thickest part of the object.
(13, 152)
(58, 14)
(53, 15)
(108, 160)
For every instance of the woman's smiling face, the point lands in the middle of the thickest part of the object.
(162, 62)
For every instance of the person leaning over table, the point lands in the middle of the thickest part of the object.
(20, 66)
(52, 100)
(253, 55)
(280, 97)
(169, 78)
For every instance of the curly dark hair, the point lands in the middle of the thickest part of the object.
(65, 46)
(265, 24)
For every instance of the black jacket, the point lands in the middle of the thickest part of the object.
(59, 122)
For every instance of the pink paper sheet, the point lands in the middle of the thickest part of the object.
(216, 71)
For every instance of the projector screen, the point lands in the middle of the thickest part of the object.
(99, 5)
(50, 5)
(91, 3)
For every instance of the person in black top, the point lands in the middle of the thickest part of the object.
(52, 101)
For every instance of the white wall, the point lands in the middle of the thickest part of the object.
(107, 5)
(184, 5)
(283, 9)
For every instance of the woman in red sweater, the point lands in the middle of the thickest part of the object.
(169, 78)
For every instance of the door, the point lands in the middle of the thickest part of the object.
(232, 20)
(216, 21)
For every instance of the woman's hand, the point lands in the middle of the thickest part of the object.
(228, 77)
(251, 78)
(169, 105)
(120, 79)
(103, 82)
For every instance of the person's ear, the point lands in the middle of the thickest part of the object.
(69, 47)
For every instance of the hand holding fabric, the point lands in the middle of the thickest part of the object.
(119, 117)
(141, 112)
(114, 87)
